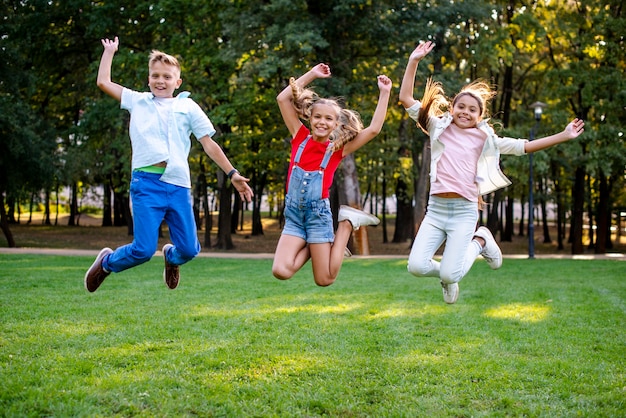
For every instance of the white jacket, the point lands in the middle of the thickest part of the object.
(488, 174)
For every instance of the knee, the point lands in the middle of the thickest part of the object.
(324, 281)
(188, 252)
(142, 255)
(281, 273)
(449, 276)
(417, 268)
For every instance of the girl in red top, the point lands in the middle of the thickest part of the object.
(315, 155)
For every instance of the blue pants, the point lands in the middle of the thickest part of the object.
(153, 201)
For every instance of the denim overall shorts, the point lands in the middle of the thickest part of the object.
(307, 215)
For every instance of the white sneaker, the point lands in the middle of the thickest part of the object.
(357, 218)
(450, 292)
(491, 252)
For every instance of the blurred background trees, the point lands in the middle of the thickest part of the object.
(60, 132)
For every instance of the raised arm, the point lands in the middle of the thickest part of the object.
(290, 116)
(375, 126)
(571, 131)
(408, 81)
(104, 71)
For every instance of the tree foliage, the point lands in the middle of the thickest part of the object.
(236, 55)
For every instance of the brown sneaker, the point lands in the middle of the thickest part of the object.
(171, 273)
(96, 274)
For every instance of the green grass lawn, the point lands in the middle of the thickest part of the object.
(535, 338)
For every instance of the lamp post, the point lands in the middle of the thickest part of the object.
(538, 111)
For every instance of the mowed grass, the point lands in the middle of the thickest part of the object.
(535, 338)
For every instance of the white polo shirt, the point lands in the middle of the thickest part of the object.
(150, 145)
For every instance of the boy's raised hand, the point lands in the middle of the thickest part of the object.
(111, 45)
(321, 70)
(384, 83)
(422, 50)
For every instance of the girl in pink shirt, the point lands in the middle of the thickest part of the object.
(465, 153)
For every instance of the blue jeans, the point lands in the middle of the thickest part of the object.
(153, 201)
(453, 221)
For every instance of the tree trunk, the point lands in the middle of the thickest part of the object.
(604, 215)
(106, 205)
(10, 214)
(590, 215)
(560, 208)
(578, 201)
(46, 217)
(522, 216)
(422, 188)
(259, 185)
(493, 217)
(235, 211)
(384, 208)
(4, 224)
(224, 238)
(507, 233)
(544, 212)
(404, 213)
(73, 205)
(352, 193)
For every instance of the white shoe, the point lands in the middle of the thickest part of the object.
(347, 253)
(357, 218)
(450, 292)
(491, 252)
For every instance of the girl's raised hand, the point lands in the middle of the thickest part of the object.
(575, 128)
(321, 70)
(422, 50)
(384, 83)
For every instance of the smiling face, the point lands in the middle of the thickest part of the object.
(163, 79)
(466, 111)
(323, 120)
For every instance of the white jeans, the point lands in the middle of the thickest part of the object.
(451, 220)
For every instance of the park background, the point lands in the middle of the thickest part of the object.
(537, 338)
(60, 133)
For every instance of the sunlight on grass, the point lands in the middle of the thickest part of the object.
(404, 312)
(335, 309)
(199, 311)
(520, 312)
(278, 366)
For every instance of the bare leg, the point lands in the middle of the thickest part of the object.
(327, 258)
(291, 254)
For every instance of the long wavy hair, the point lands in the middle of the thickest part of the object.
(349, 122)
(435, 103)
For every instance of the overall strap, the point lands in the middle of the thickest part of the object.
(301, 150)
(327, 155)
(325, 160)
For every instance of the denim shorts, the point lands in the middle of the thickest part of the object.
(312, 222)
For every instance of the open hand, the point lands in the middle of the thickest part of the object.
(241, 184)
(111, 45)
(422, 50)
(575, 128)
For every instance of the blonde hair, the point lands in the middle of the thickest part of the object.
(158, 56)
(435, 103)
(349, 122)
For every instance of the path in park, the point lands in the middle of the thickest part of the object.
(93, 253)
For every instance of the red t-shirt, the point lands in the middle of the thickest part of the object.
(312, 157)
